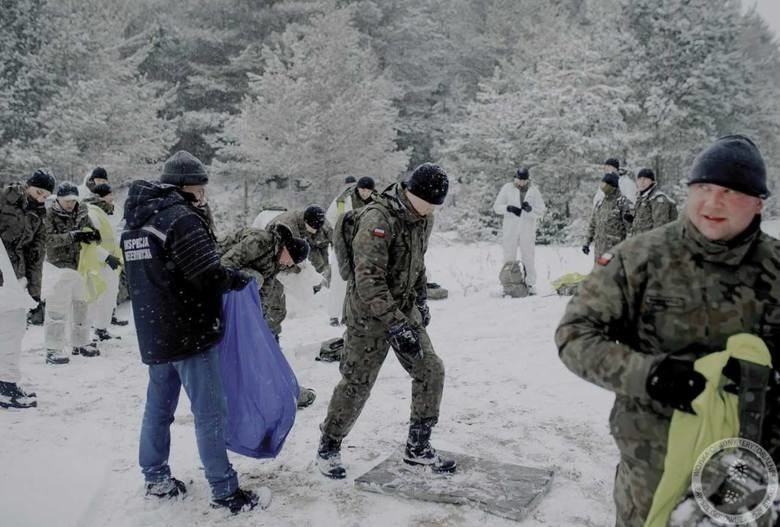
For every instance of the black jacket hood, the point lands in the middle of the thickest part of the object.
(147, 198)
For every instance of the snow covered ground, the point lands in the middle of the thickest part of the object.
(73, 460)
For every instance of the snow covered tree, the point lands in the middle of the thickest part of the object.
(320, 110)
(689, 78)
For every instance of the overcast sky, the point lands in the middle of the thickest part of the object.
(770, 9)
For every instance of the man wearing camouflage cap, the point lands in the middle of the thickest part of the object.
(386, 307)
(661, 300)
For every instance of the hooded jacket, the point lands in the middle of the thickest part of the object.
(174, 275)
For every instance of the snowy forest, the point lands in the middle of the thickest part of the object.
(283, 99)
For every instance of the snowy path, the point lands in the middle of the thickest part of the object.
(73, 461)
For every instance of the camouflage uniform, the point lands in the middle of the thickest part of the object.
(607, 227)
(389, 249)
(653, 209)
(256, 251)
(102, 204)
(23, 233)
(318, 242)
(61, 250)
(668, 291)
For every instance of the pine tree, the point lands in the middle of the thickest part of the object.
(319, 110)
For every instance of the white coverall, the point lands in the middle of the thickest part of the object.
(102, 308)
(14, 304)
(520, 231)
(338, 287)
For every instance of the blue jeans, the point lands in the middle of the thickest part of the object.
(200, 377)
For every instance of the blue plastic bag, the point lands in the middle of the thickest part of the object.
(260, 387)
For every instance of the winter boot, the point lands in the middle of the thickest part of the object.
(117, 322)
(306, 397)
(11, 396)
(167, 488)
(56, 357)
(103, 334)
(329, 458)
(241, 500)
(37, 314)
(420, 452)
(90, 350)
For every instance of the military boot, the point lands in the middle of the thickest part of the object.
(420, 452)
(90, 350)
(103, 334)
(329, 458)
(11, 396)
(306, 397)
(56, 357)
(167, 488)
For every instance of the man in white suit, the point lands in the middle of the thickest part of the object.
(521, 204)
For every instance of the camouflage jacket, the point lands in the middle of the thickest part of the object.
(95, 200)
(255, 251)
(389, 257)
(668, 291)
(61, 250)
(23, 233)
(653, 208)
(318, 242)
(607, 225)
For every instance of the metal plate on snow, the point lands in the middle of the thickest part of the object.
(503, 489)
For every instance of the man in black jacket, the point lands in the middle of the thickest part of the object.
(176, 284)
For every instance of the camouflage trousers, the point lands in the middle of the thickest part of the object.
(274, 305)
(635, 484)
(360, 363)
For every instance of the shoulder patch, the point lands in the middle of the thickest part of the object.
(378, 233)
(604, 259)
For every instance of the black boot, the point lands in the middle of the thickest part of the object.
(167, 488)
(420, 452)
(103, 334)
(90, 350)
(11, 396)
(117, 322)
(306, 397)
(241, 500)
(329, 458)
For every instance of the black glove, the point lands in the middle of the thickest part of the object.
(586, 249)
(526, 206)
(316, 288)
(85, 236)
(239, 280)
(517, 211)
(675, 383)
(113, 262)
(425, 312)
(403, 339)
(628, 217)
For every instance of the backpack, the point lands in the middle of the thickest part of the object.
(343, 234)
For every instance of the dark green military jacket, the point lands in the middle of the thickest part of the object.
(253, 250)
(389, 259)
(667, 291)
(607, 225)
(318, 242)
(105, 206)
(61, 250)
(653, 208)
(23, 233)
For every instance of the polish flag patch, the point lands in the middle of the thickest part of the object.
(605, 258)
(378, 233)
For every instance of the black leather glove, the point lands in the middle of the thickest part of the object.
(113, 262)
(628, 217)
(526, 206)
(586, 249)
(675, 383)
(239, 280)
(403, 338)
(85, 236)
(425, 312)
(517, 211)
